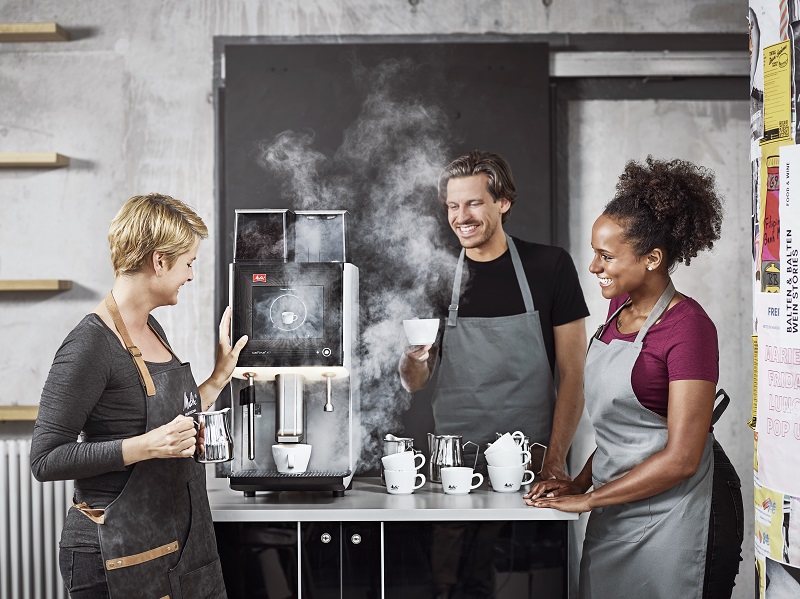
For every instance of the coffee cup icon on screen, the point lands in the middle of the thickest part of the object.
(288, 317)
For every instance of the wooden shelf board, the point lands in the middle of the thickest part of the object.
(18, 413)
(32, 32)
(32, 160)
(34, 285)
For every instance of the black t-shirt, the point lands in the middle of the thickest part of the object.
(490, 289)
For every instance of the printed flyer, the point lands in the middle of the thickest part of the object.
(778, 328)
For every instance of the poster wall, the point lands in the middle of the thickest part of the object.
(775, 165)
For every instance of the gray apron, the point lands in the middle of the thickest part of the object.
(494, 374)
(157, 537)
(653, 547)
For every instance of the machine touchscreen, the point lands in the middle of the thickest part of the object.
(288, 313)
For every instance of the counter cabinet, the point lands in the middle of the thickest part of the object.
(369, 544)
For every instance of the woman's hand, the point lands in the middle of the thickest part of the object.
(227, 357)
(554, 487)
(550, 471)
(176, 439)
(559, 494)
(568, 503)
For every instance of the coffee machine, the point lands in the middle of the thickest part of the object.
(295, 295)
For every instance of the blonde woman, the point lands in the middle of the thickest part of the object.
(140, 525)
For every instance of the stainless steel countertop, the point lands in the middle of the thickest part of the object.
(368, 501)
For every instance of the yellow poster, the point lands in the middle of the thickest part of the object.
(777, 91)
(768, 506)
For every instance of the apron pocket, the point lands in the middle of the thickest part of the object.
(198, 574)
(203, 583)
(624, 522)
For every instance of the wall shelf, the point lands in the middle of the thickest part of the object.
(32, 160)
(34, 285)
(8, 413)
(32, 32)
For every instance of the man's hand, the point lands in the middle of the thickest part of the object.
(415, 369)
(419, 353)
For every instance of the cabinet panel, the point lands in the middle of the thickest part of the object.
(361, 560)
(321, 561)
(442, 560)
(450, 560)
(259, 560)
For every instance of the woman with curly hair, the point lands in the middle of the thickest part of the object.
(666, 503)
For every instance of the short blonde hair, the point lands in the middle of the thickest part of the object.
(150, 223)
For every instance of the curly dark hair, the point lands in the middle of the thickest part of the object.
(672, 205)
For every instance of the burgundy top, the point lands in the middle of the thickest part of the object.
(681, 347)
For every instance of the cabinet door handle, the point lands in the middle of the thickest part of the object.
(356, 539)
(325, 538)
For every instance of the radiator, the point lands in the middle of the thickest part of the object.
(31, 518)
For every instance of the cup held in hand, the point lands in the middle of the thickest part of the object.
(421, 331)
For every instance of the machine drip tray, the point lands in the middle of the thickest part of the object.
(250, 481)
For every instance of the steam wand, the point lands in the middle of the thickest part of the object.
(328, 407)
(250, 394)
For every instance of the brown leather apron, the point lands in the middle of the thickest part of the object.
(157, 537)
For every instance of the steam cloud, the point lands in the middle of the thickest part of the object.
(384, 174)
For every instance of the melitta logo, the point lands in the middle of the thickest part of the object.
(452, 487)
(395, 487)
(260, 278)
(189, 403)
(508, 485)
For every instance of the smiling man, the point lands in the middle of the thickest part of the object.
(514, 340)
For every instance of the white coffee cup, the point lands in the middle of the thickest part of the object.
(288, 317)
(458, 480)
(402, 482)
(507, 479)
(291, 458)
(421, 331)
(512, 457)
(506, 442)
(405, 460)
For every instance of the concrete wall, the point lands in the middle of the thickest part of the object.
(129, 100)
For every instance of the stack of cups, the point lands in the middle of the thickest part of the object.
(401, 472)
(506, 463)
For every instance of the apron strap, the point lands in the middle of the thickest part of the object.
(601, 329)
(144, 374)
(522, 281)
(724, 400)
(657, 312)
(452, 310)
(527, 297)
(96, 515)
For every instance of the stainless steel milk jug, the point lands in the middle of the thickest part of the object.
(214, 431)
(446, 450)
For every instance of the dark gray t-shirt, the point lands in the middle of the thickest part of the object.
(93, 392)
